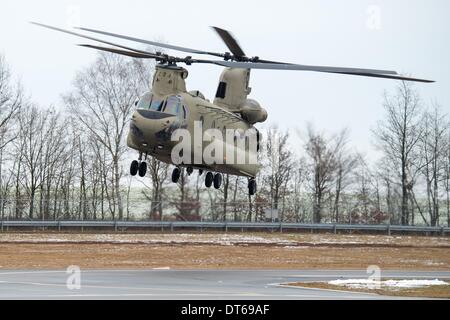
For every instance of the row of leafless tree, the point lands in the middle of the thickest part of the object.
(71, 162)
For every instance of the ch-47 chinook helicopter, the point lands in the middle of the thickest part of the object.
(169, 106)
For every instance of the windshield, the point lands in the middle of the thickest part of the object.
(175, 106)
(149, 102)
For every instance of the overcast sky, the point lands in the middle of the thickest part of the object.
(409, 36)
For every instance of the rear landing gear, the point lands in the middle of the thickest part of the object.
(176, 173)
(209, 179)
(213, 179)
(217, 180)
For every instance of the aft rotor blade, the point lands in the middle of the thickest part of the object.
(154, 43)
(387, 76)
(299, 67)
(230, 41)
(295, 67)
(121, 52)
(95, 39)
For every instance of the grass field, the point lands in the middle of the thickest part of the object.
(222, 251)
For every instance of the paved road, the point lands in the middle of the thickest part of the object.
(185, 284)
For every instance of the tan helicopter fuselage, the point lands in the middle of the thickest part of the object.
(152, 124)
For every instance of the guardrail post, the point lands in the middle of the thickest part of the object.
(171, 227)
(442, 231)
(59, 226)
(389, 229)
(1, 222)
(281, 227)
(334, 228)
(226, 227)
(115, 225)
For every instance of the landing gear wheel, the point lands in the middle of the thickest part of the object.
(217, 180)
(134, 168)
(142, 169)
(189, 170)
(176, 173)
(252, 187)
(209, 179)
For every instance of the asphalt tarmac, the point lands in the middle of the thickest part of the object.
(185, 284)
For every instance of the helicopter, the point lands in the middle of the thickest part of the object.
(169, 107)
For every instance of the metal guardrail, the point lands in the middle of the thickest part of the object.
(172, 225)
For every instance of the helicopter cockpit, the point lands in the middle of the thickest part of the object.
(147, 102)
(171, 105)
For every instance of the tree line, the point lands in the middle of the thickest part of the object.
(71, 162)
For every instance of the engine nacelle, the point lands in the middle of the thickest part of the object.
(252, 112)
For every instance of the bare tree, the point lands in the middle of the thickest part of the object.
(158, 172)
(323, 154)
(299, 178)
(226, 189)
(433, 147)
(346, 162)
(11, 99)
(447, 179)
(279, 163)
(39, 143)
(102, 102)
(398, 135)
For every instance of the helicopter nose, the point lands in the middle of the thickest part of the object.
(154, 115)
(146, 124)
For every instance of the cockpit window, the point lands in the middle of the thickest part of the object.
(144, 101)
(156, 104)
(149, 102)
(175, 106)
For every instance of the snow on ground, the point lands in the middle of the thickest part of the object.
(289, 240)
(378, 284)
(175, 238)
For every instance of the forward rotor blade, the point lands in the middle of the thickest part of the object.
(230, 42)
(121, 52)
(154, 43)
(95, 39)
(296, 67)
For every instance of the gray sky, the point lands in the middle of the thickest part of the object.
(409, 36)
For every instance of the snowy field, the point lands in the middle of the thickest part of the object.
(290, 240)
(382, 284)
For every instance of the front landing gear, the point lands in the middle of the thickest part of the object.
(134, 167)
(251, 186)
(142, 169)
(138, 167)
